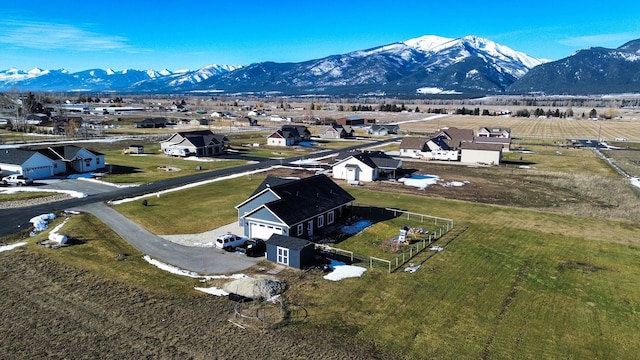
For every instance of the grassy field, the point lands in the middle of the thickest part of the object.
(151, 166)
(542, 261)
(539, 128)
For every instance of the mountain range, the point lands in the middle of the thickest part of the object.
(428, 65)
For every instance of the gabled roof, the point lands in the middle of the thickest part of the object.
(288, 242)
(456, 134)
(199, 138)
(411, 142)
(282, 134)
(15, 156)
(304, 198)
(495, 131)
(66, 152)
(270, 181)
(441, 141)
(374, 159)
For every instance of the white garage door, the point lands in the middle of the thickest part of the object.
(41, 172)
(261, 231)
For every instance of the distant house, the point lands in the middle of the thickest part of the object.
(455, 137)
(384, 129)
(281, 138)
(151, 123)
(336, 131)
(484, 154)
(438, 149)
(136, 149)
(73, 159)
(413, 147)
(300, 208)
(365, 167)
(494, 132)
(29, 163)
(289, 135)
(355, 121)
(290, 251)
(199, 122)
(198, 143)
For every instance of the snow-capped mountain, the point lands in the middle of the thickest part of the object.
(97, 80)
(468, 65)
(591, 71)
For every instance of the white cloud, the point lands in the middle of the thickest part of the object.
(605, 40)
(49, 36)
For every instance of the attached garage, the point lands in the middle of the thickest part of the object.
(28, 163)
(262, 231)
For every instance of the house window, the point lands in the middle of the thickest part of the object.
(87, 162)
(300, 229)
(282, 256)
(330, 217)
(320, 221)
(98, 161)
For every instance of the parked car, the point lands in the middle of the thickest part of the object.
(252, 247)
(230, 241)
(17, 179)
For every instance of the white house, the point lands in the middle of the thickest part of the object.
(71, 158)
(29, 163)
(365, 167)
(281, 138)
(412, 146)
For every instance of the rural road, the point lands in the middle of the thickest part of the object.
(198, 259)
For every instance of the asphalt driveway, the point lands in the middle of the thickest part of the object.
(203, 260)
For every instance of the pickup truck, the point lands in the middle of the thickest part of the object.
(16, 179)
(252, 247)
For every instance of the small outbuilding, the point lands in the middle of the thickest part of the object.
(290, 251)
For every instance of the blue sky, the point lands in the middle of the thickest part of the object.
(189, 34)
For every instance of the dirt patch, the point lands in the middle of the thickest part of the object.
(576, 265)
(52, 310)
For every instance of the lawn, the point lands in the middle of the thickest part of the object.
(150, 167)
(512, 284)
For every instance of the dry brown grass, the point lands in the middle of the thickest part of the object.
(531, 127)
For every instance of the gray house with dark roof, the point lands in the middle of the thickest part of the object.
(300, 208)
(198, 142)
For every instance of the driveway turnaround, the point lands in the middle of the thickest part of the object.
(203, 260)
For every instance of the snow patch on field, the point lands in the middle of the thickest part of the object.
(11, 246)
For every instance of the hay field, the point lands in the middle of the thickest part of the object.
(533, 127)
